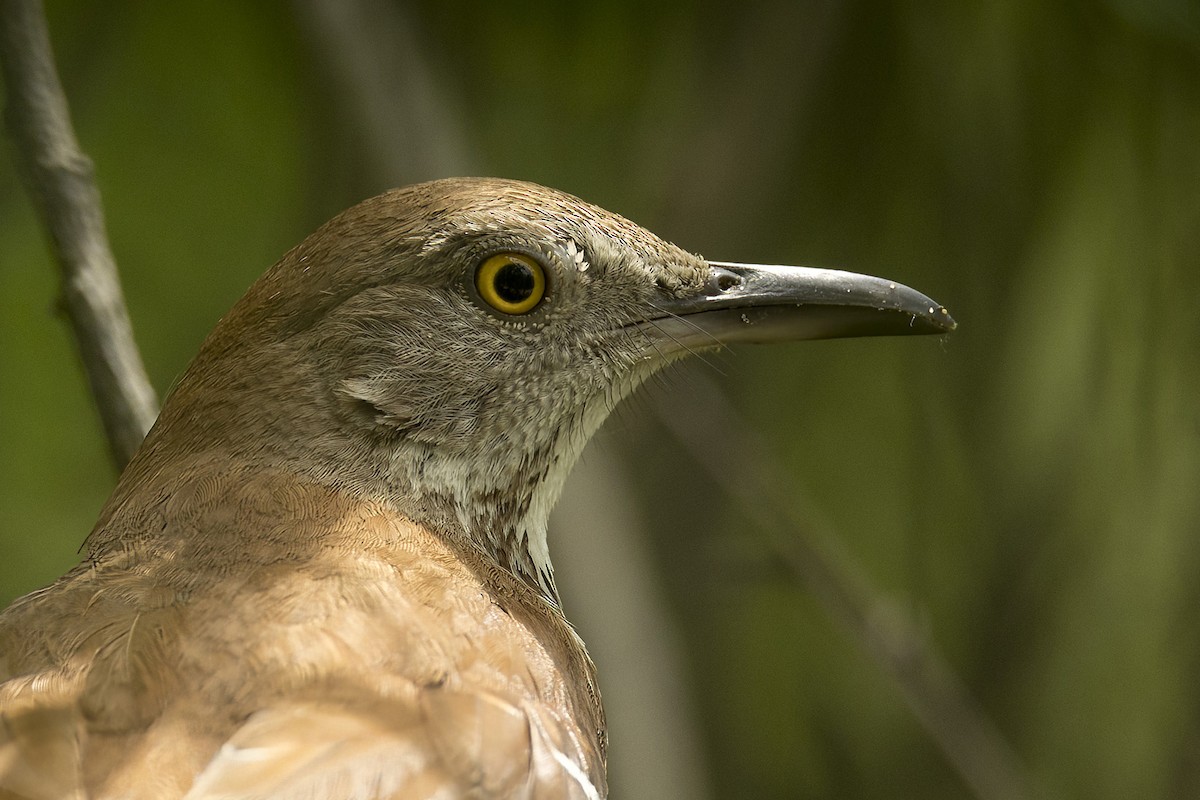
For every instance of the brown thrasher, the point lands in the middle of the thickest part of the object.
(325, 572)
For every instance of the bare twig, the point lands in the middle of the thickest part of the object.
(708, 426)
(59, 178)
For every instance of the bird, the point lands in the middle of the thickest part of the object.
(325, 572)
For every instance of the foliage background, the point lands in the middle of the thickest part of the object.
(1026, 489)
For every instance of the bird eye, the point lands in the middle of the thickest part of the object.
(511, 283)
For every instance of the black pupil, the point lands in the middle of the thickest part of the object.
(514, 282)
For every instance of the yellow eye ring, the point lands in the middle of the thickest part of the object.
(511, 283)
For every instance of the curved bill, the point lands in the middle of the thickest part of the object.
(758, 303)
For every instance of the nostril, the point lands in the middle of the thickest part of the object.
(727, 281)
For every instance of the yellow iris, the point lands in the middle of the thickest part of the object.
(511, 283)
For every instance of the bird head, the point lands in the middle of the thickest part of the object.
(450, 347)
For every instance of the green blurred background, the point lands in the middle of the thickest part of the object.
(1026, 489)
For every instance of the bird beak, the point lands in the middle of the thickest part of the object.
(757, 303)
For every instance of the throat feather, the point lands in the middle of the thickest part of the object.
(507, 515)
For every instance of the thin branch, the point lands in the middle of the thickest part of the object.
(58, 176)
(708, 426)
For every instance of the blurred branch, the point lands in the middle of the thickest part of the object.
(711, 430)
(390, 89)
(757, 101)
(58, 177)
(613, 592)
